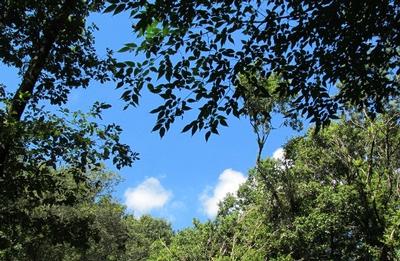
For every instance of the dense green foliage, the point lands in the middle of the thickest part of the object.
(335, 196)
(51, 163)
(53, 187)
(198, 48)
(101, 231)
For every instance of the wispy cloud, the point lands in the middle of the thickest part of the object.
(228, 182)
(147, 196)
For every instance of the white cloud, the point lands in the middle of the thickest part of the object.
(228, 182)
(279, 154)
(148, 195)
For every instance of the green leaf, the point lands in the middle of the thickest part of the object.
(130, 63)
(124, 49)
(208, 134)
(187, 127)
(119, 9)
(162, 132)
(157, 127)
(110, 8)
(223, 122)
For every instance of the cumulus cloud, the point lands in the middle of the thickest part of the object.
(148, 195)
(228, 182)
(279, 154)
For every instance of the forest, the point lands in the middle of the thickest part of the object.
(328, 69)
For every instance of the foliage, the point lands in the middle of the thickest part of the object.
(53, 172)
(259, 109)
(197, 49)
(51, 46)
(189, 244)
(51, 164)
(334, 197)
(111, 234)
(145, 234)
(120, 236)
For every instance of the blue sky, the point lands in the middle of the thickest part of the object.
(178, 177)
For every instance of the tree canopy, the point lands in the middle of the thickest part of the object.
(334, 196)
(48, 159)
(329, 53)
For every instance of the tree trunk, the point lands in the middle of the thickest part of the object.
(51, 32)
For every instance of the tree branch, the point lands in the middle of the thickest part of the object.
(51, 33)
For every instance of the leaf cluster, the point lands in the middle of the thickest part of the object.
(333, 197)
(312, 45)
